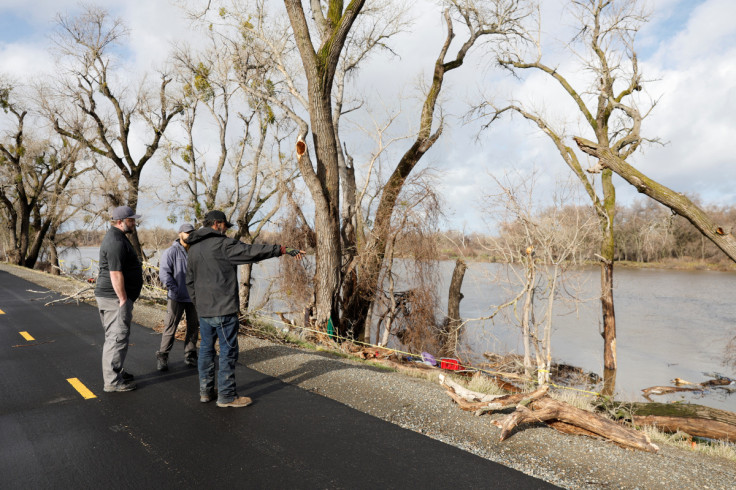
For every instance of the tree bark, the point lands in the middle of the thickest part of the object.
(454, 322)
(319, 67)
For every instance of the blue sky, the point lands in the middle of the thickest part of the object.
(688, 49)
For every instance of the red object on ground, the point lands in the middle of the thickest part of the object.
(450, 364)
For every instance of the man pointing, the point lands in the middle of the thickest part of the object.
(212, 282)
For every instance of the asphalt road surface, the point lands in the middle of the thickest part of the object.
(58, 429)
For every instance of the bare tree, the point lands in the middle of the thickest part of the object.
(499, 19)
(608, 106)
(408, 299)
(246, 177)
(539, 247)
(302, 66)
(36, 172)
(94, 106)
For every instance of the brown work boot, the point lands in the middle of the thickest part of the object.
(237, 402)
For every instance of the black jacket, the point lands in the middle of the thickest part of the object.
(212, 274)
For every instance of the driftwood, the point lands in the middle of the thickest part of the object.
(479, 403)
(547, 409)
(464, 393)
(692, 419)
(717, 382)
(695, 427)
(536, 406)
(665, 390)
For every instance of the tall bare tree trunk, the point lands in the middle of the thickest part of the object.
(608, 250)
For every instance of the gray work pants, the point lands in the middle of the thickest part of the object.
(116, 321)
(174, 311)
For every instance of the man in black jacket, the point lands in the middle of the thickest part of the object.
(212, 282)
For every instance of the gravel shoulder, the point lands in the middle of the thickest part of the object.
(568, 461)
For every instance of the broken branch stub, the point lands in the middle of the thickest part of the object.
(301, 147)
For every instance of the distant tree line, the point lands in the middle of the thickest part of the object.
(647, 232)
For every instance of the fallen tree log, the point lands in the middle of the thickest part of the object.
(560, 416)
(694, 427)
(692, 419)
(547, 409)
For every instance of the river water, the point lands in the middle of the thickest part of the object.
(670, 324)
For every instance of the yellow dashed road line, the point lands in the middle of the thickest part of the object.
(2, 312)
(27, 336)
(81, 388)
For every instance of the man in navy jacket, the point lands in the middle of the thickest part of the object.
(212, 282)
(173, 272)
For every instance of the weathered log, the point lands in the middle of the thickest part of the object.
(501, 402)
(664, 390)
(572, 430)
(464, 393)
(684, 410)
(693, 419)
(547, 409)
(695, 427)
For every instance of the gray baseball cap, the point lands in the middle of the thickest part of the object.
(186, 228)
(124, 212)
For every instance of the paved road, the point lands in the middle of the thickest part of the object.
(161, 436)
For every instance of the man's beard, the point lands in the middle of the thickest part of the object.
(127, 229)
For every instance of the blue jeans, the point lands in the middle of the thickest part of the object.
(225, 329)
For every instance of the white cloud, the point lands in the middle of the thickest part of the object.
(687, 45)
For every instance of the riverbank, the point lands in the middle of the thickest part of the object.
(422, 406)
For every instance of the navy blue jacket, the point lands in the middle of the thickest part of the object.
(212, 272)
(173, 272)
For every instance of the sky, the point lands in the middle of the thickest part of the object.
(687, 51)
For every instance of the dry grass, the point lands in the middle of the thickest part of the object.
(719, 449)
(574, 398)
(482, 384)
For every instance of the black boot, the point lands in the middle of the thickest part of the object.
(162, 361)
(191, 360)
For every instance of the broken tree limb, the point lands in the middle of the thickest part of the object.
(677, 202)
(547, 409)
(498, 402)
(517, 399)
(464, 393)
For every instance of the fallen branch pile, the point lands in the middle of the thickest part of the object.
(536, 406)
